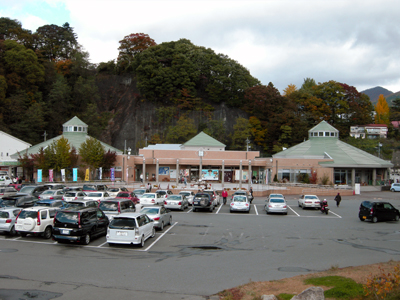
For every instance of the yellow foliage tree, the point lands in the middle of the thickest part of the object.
(382, 111)
(290, 89)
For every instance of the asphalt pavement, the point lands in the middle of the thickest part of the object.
(202, 253)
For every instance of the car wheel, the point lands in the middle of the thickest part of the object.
(299, 204)
(47, 232)
(267, 212)
(153, 232)
(194, 209)
(86, 239)
(162, 225)
(361, 218)
(374, 219)
(23, 234)
(211, 208)
(110, 244)
(396, 218)
(142, 242)
(392, 190)
(12, 231)
(170, 220)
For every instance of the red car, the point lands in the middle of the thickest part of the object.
(17, 186)
(129, 196)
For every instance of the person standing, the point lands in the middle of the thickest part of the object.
(185, 180)
(338, 198)
(224, 195)
(141, 178)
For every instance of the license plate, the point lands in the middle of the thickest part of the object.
(122, 233)
(364, 217)
(64, 231)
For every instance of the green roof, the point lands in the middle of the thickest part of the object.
(323, 126)
(75, 121)
(203, 140)
(343, 155)
(75, 139)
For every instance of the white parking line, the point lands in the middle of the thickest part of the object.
(152, 244)
(255, 208)
(335, 214)
(189, 210)
(219, 208)
(293, 211)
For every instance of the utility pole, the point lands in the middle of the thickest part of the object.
(247, 144)
(45, 135)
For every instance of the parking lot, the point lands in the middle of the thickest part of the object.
(205, 252)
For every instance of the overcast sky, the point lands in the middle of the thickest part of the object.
(279, 41)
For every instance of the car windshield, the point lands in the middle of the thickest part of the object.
(42, 203)
(27, 189)
(311, 197)
(3, 215)
(108, 206)
(48, 192)
(239, 199)
(139, 192)
(95, 195)
(113, 190)
(149, 196)
(70, 194)
(123, 195)
(184, 193)
(8, 202)
(28, 214)
(122, 223)
(66, 217)
(277, 200)
(76, 204)
(175, 197)
(161, 192)
(89, 187)
(240, 193)
(150, 210)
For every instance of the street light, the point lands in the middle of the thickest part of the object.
(379, 149)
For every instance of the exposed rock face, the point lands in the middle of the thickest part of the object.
(135, 118)
(312, 293)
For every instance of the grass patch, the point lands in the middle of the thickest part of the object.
(284, 296)
(343, 288)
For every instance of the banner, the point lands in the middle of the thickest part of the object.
(51, 175)
(74, 174)
(39, 175)
(100, 173)
(163, 170)
(63, 175)
(112, 174)
(127, 174)
(209, 174)
(245, 175)
(87, 175)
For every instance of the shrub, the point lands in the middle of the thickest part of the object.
(343, 288)
(382, 284)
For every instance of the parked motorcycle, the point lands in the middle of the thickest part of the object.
(324, 207)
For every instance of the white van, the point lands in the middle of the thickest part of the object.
(5, 180)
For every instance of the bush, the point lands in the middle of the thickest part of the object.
(384, 285)
(343, 288)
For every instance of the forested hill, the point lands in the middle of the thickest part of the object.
(152, 93)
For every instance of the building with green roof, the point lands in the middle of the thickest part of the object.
(325, 154)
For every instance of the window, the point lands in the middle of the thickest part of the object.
(320, 134)
(43, 214)
(52, 213)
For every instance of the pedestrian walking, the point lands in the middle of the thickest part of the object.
(338, 198)
(141, 178)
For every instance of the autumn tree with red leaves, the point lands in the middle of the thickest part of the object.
(130, 46)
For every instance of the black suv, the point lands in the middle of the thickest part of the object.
(79, 224)
(378, 211)
(203, 201)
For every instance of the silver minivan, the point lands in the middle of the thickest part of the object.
(114, 207)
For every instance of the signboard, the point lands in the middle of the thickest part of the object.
(74, 174)
(87, 175)
(172, 173)
(63, 174)
(163, 170)
(100, 173)
(51, 175)
(245, 175)
(39, 175)
(112, 174)
(209, 174)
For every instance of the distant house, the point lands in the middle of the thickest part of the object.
(396, 124)
(370, 131)
(9, 145)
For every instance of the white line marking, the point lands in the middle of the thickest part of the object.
(152, 244)
(294, 211)
(219, 208)
(255, 208)
(189, 210)
(102, 245)
(335, 214)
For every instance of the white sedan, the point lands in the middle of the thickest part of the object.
(151, 199)
(309, 201)
(97, 196)
(240, 203)
(130, 228)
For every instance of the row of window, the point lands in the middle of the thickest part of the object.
(324, 133)
(75, 128)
